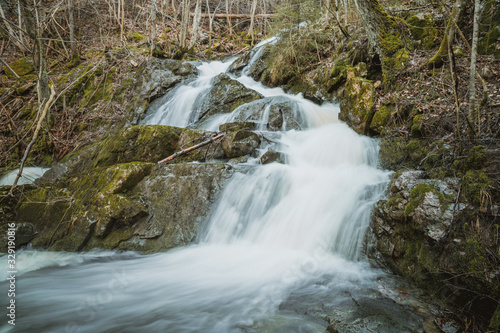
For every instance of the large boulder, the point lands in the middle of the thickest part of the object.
(225, 96)
(272, 113)
(130, 206)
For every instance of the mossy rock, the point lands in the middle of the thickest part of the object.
(144, 143)
(236, 126)
(148, 143)
(225, 96)
(381, 118)
(22, 67)
(475, 184)
(358, 107)
(417, 127)
(477, 158)
(423, 28)
(495, 320)
(136, 37)
(392, 152)
(489, 42)
(417, 195)
(240, 143)
(417, 150)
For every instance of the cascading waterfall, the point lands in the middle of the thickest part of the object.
(278, 235)
(179, 107)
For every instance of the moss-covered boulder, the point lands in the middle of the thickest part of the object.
(240, 143)
(423, 28)
(357, 107)
(237, 125)
(225, 96)
(489, 39)
(145, 143)
(21, 66)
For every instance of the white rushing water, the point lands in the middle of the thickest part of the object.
(279, 232)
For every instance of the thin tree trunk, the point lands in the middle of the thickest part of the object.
(229, 24)
(437, 60)
(252, 21)
(152, 36)
(71, 10)
(473, 114)
(42, 113)
(196, 24)
(122, 25)
(186, 4)
(20, 21)
(11, 31)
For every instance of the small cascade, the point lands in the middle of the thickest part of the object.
(180, 106)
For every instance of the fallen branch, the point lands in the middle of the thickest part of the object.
(233, 15)
(43, 114)
(187, 150)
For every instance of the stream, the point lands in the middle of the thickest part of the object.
(283, 249)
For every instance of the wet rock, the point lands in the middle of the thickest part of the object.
(240, 143)
(255, 59)
(179, 197)
(154, 78)
(130, 206)
(225, 96)
(271, 156)
(236, 126)
(272, 113)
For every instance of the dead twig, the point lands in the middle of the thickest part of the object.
(187, 150)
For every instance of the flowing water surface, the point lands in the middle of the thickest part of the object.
(281, 251)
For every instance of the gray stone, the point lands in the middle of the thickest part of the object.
(225, 96)
(240, 143)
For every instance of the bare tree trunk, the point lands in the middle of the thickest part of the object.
(474, 114)
(229, 24)
(43, 110)
(186, 4)
(11, 31)
(252, 21)
(152, 35)
(122, 24)
(196, 24)
(20, 21)
(74, 54)
(449, 34)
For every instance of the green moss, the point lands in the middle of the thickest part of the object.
(381, 118)
(146, 143)
(417, 129)
(495, 320)
(22, 67)
(477, 158)
(475, 184)
(417, 196)
(358, 104)
(394, 52)
(423, 28)
(136, 37)
(417, 150)
(392, 152)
